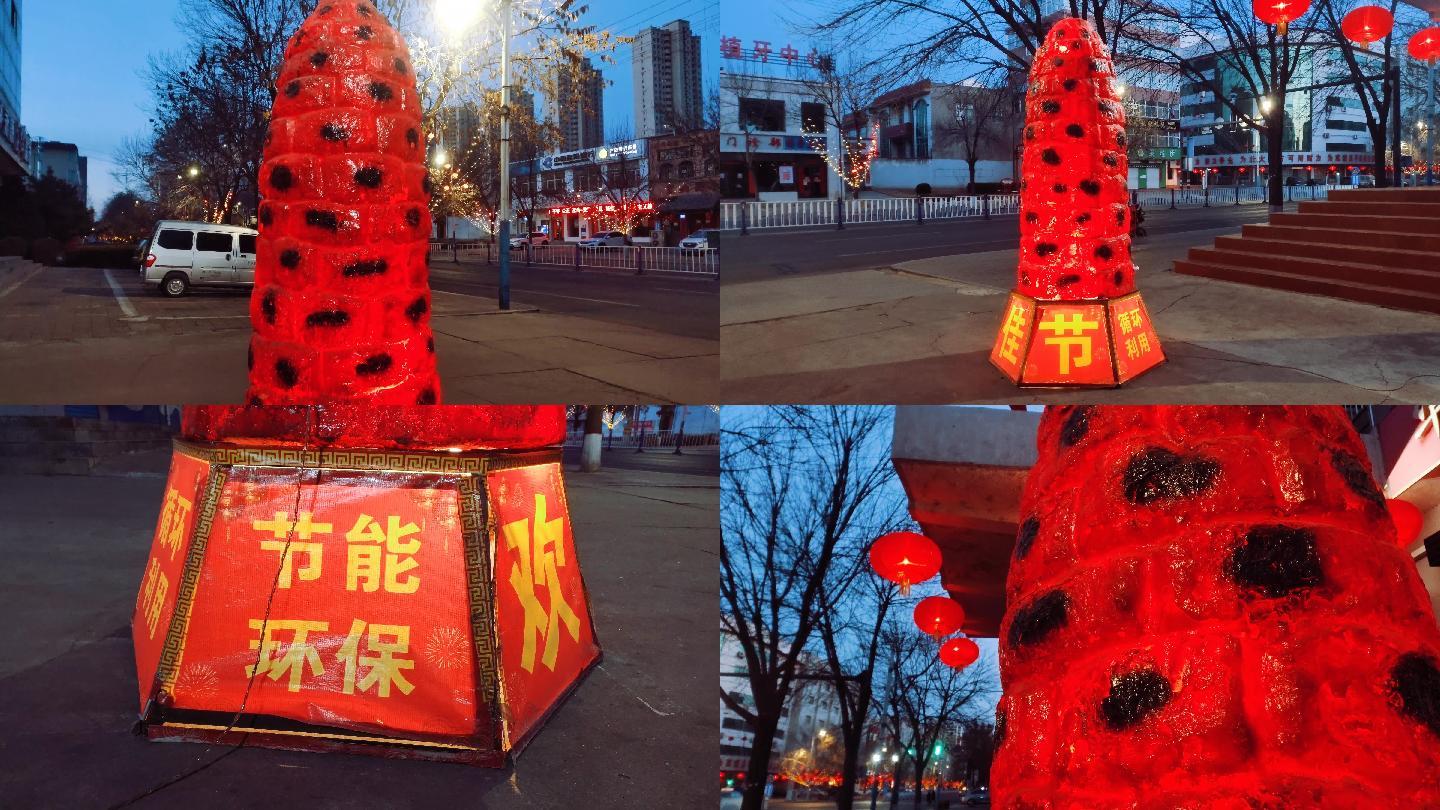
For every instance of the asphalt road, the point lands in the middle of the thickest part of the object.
(785, 252)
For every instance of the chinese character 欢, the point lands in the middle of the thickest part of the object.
(381, 554)
(538, 554)
(297, 654)
(305, 528)
(383, 668)
(1070, 333)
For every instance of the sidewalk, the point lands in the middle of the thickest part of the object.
(639, 732)
(921, 332)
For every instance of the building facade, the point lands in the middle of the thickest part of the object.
(577, 107)
(665, 62)
(1325, 139)
(573, 195)
(1152, 137)
(64, 161)
(14, 142)
(685, 181)
(925, 132)
(776, 139)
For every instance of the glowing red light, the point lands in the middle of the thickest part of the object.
(905, 558)
(939, 616)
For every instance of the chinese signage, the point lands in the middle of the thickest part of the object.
(740, 142)
(541, 607)
(762, 50)
(1289, 158)
(642, 207)
(614, 151)
(1156, 153)
(341, 603)
(1075, 343)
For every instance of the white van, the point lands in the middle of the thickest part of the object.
(186, 254)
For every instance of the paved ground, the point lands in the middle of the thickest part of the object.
(731, 801)
(917, 327)
(88, 335)
(638, 733)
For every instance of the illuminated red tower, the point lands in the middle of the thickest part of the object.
(341, 307)
(1207, 608)
(1075, 317)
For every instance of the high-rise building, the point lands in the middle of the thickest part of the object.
(666, 65)
(64, 161)
(14, 142)
(576, 106)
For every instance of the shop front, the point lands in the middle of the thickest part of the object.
(773, 167)
(571, 223)
(1301, 168)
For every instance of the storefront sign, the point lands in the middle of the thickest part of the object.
(738, 142)
(787, 174)
(641, 207)
(1289, 159)
(761, 50)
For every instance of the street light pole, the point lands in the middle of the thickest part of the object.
(504, 154)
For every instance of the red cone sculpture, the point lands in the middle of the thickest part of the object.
(1075, 317)
(341, 307)
(1210, 610)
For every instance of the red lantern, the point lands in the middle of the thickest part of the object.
(939, 616)
(959, 652)
(905, 558)
(1280, 13)
(1367, 24)
(1407, 519)
(1424, 44)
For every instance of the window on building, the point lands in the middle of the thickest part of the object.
(736, 724)
(176, 240)
(687, 169)
(922, 129)
(1344, 147)
(1353, 126)
(554, 182)
(762, 114)
(812, 116)
(214, 242)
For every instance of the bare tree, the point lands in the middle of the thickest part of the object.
(801, 492)
(844, 89)
(984, 115)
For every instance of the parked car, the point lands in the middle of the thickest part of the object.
(532, 238)
(971, 798)
(608, 239)
(697, 242)
(1365, 181)
(188, 254)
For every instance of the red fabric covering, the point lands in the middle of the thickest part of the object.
(341, 307)
(1213, 613)
(1075, 218)
(469, 427)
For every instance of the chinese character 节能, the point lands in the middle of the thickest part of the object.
(305, 528)
(381, 555)
(1070, 333)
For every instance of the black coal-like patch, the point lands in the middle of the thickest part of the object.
(1091, 187)
(1026, 536)
(1051, 106)
(1103, 252)
(334, 132)
(1070, 84)
(266, 215)
(374, 364)
(292, 89)
(281, 177)
(1119, 216)
(427, 397)
(286, 373)
(1045, 248)
(412, 217)
(318, 58)
(290, 258)
(1060, 188)
(1156, 474)
(1075, 131)
(368, 268)
(1133, 696)
(381, 91)
(322, 219)
(1415, 680)
(1067, 280)
(369, 177)
(1077, 424)
(249, 358)
(1276, 561)
(427, 185)
(364, 33)
(399, 65)
(1111, 159)
(1051, 157)
(1106, 107)
(255, 402)
(430, 345)
(1031, 216)
(327, 318)
(412, 136)
(1119, 277)
(1356, 477)
(364, 9)
(1036, 621)
(417, 309)
(1083, 218)
(1058, 62)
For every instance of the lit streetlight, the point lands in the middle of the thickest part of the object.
(194, 171)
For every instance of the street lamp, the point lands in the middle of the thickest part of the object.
(194, 171)
(459, 15)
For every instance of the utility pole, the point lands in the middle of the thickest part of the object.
(505, 154)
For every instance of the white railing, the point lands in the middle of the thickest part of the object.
(802, 213)
(652, 438)
(639, 259)
(748, 215)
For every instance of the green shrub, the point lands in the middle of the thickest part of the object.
(922, 189)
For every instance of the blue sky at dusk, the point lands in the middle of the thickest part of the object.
(82, 66)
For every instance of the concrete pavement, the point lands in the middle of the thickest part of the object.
(638, 733)
(90, 335)
(920, 331)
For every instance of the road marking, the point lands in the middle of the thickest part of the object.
(121, 299)
(24, 277)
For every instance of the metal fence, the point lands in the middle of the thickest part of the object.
(652, 438)
(639, 259)
(748, 215)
